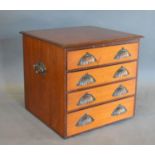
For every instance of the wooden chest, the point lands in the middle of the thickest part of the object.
(80, 78)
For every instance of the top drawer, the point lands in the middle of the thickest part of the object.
(99, 56)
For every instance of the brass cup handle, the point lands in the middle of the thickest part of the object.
(120, 109)
(86, 99)
(87, 59)
(120, 90)
(121, 72)
(122, 53)
(86, 79)
(40, 68)
(84, 120)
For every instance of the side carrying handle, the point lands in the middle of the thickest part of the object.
(40, 68)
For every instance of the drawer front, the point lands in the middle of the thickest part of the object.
(96, 95)
(84, 120)
(99, 56)
(93, 77)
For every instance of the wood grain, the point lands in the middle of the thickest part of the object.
(101, 94)
(73, 37)
(104, 55)
(101, 115)
(44, 94)
(102, 75)
(53, 97)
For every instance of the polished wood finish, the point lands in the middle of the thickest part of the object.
(101, 75)
(74, 37)
(101, 114)
(101, 94)
(44, 94)
(104, 55)
(55, 86)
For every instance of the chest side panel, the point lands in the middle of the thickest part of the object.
(44, 91)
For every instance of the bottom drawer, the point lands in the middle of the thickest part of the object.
(94, 117)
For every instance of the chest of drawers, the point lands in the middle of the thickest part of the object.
(80, 78)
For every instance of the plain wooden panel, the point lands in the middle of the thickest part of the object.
(102, 75)
(101, 114)
(104, 55)
(44, 94)
(101, 94)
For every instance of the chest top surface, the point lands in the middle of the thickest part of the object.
(79, 36)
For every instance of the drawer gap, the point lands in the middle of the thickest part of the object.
(89, 87)
(99, 66)
(97, 104)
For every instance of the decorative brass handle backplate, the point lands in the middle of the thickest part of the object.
(39, 68)
(121, 90)
(85, 99)
(120, 109)
(87, 59)
(122, 71)
(86, 79)
(85, 119)
(123, 53)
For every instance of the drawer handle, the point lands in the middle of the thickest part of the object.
(85, 99)
(121, 90)
(122, 71)
(120, 109)
(123, 53)
(87, 59)
(86, 79)
(39, 68)
(85, 119)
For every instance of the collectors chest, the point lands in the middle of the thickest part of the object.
(80, 78)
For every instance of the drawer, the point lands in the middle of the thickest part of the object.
(100, 56)
(94, 77)
(90, 118)
(101, 94)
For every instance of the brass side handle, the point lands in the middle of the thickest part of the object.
(86, 79)
(119, 91)
(122, 71)
(120, 109)
(84, 120)
(39, 68)
(122, 53)
(85, 99)
(87, 59)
